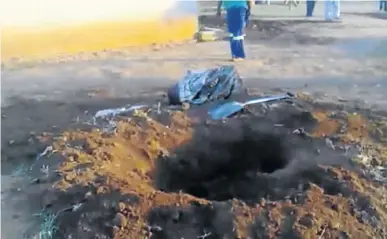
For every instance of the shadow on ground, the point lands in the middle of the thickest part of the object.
(377, 15)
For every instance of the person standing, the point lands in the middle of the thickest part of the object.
(310, 7)
(238, 12)
(332, 10)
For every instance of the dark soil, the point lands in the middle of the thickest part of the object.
(253, 176)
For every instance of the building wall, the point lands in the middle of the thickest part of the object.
(41, 28)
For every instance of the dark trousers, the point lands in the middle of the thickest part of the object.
(236, 23)
(310, 7)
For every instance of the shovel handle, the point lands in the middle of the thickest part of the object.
(266, 99)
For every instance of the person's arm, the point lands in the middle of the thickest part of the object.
(219, 8)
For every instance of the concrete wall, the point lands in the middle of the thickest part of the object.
(40, 28)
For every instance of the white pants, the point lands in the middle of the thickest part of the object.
(332, 9)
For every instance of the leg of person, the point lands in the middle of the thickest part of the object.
(328, 10)
(385, 5)
(313, 5)
(229, 20)
(236, 17)
(381, 3)
(243, 16)
(310, 7)
(336, 9)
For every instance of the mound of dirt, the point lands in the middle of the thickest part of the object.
(164, 176)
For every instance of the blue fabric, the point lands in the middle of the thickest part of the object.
(236, 23)
(310, 7)
(236, 3)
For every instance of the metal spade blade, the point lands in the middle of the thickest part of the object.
(230, 108)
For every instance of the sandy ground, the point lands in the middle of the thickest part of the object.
(333, 61)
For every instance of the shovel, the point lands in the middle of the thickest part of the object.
(230, 108)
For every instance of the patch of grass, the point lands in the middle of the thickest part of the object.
(48, 227)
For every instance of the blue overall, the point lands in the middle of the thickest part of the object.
(310, 7)
(236, 23)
